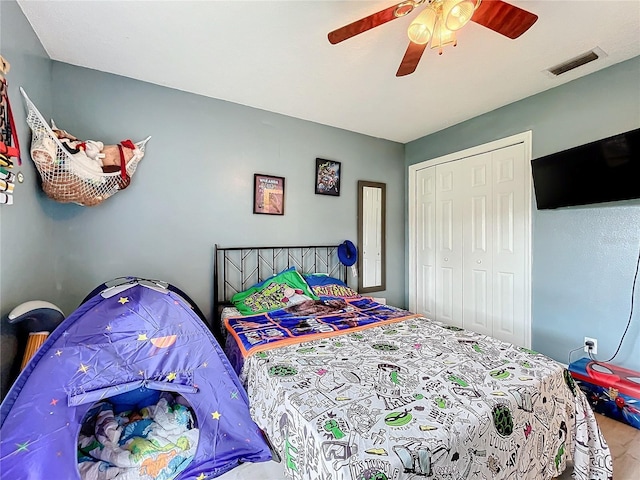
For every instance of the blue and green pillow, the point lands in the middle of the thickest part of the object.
(279, 291)
(324, 285)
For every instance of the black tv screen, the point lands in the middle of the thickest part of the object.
(601, 171)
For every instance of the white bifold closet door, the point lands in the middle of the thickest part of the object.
(471, 243)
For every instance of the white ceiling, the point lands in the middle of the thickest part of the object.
(274, 55)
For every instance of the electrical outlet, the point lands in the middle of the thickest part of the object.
(594, 348)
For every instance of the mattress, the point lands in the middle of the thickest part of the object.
(228, 312)
(420, 398)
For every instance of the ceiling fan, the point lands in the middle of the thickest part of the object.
(438, 22)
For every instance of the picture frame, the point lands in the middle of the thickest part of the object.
(268, 194)
(328, 174)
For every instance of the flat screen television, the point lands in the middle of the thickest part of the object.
(601, 171)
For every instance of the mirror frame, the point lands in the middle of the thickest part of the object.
(383, 260)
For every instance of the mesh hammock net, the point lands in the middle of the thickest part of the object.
(64, 178)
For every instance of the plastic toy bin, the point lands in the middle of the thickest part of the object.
(611, 390)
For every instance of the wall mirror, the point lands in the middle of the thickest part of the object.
(371, 236)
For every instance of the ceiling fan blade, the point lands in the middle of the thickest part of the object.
(503, 18)
(372, 21)
(411, 59)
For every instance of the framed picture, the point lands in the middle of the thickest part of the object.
(268, 194)
(327, 177)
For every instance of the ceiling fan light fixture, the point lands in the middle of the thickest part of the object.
(437, 23)
(421, 29)
(442, 36)
(457, 13)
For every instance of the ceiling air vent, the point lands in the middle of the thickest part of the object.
(576, 62)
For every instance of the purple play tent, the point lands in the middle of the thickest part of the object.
(134, 336)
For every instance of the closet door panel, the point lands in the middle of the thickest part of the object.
(504, 315)
(449, 208)
(476, 193)
(425, 241)
(509, 255)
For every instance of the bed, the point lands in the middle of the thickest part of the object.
(364, 391)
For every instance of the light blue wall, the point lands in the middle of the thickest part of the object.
(193, 188)
(27, 243)
(584, 258)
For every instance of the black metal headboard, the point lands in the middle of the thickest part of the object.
(238, 268)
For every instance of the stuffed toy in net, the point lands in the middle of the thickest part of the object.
(83, 172)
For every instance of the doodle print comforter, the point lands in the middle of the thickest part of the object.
(417, 399)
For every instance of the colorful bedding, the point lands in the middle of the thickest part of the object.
(308, 320)
(155, 443)
(418, 399)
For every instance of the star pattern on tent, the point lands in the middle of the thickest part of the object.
(22, 447)
(234, 394)
(141, 373)
(58, 352)
(123, 300)
(108, 327)
(54, 402)
(201, 477)
(171, 377)
(205, 364)
(83, 368)
(142, 336)
(216, 415)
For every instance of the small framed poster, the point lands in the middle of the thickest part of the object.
(327, 177)
(268, 194)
